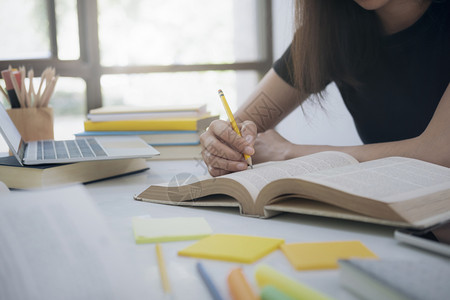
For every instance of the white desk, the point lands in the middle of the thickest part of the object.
(114, 198)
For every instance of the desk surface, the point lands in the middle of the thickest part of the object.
(115, 201)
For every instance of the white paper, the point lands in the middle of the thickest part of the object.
(55, 245)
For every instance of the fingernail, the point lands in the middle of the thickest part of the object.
(249, 138)
(241, 166)
(249, 150)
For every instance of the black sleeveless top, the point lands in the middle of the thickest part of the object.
(397, 98)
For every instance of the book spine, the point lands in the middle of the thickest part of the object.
(134, 132)
(182, 124)
(144, 125)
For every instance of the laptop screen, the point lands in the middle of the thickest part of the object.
(9, 130)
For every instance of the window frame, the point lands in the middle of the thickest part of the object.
(89, 68)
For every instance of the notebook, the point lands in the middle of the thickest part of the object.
(67, 151)
(396, 279)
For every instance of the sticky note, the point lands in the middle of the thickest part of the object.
(266, 276)
(234, 248)
(153, 230)
(323, 255)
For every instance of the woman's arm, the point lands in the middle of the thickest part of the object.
(433, 145)
(272, 100)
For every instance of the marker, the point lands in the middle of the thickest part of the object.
(6, 74)
(270, 292)
(233, 124)
(209, 283)
(239, 287)
(265, 275)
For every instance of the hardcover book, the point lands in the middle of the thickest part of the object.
(38, 176)
(394, 191)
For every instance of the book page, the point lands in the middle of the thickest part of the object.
(388, 179)
(55, 245)
(262, 174)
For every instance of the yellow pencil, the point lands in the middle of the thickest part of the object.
(233, 124)
(162, 269)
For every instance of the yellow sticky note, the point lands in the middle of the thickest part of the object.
(324, 255)
(234, 248)
(153, 230)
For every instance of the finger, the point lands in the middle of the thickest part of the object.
(217, 172)
(218, 148)
(217, 162)
(249, 131)
(225, 133)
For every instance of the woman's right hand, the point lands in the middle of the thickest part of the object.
(223, 149)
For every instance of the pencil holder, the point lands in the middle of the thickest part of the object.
(33, 123)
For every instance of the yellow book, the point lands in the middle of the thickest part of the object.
(234, 248)
(323, 255)
(193, 124)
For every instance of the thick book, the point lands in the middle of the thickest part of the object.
(115, 113)
(396, 279)
(38, 176)
(395, 191)
(192, 124)
(154, 138)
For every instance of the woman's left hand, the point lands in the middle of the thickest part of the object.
(270, 145)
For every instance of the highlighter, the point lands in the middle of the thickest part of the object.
(269, 292)
(265, 275)
(239, 287)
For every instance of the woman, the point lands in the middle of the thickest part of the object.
(390, 60)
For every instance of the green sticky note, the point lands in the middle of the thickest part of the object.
(156, 230)
(234, 248)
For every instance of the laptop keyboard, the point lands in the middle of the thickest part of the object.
(69, 149)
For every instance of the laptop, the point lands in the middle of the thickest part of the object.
(68, 151)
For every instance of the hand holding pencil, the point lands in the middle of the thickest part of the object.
(228, 145)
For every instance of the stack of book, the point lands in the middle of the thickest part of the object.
(173, 131)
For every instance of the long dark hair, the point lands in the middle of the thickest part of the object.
(334, 41)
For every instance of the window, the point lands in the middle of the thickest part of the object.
(138, 52)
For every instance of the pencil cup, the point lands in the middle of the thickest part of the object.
(33, 123)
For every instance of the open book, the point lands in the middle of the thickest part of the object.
(394, 191)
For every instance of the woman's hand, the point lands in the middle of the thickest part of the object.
(223, 149)
(270, 145)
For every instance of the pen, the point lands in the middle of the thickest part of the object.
(162, 269)
(209, 283)
(233, 124)
(240, 289)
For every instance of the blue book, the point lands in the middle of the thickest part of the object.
(154, 138)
